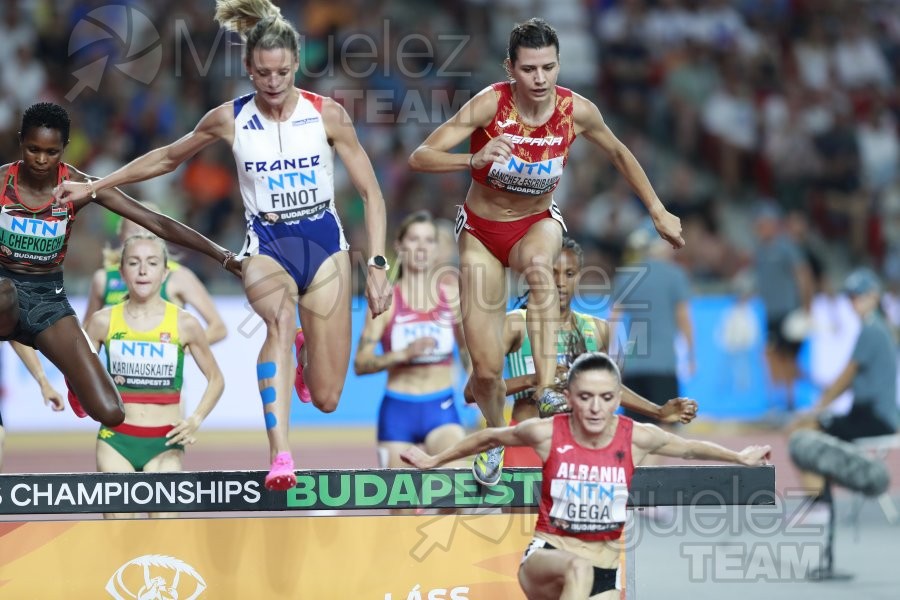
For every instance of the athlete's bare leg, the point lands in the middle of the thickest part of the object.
(325, 316)
(552, 574)
(534, 256)
(169, 461)
(483, 304)
(443, 437)
(109, 460)
(65, 345)
(272, 294)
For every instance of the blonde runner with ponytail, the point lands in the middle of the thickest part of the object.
(285, 141)
(242, 15)
(260, 25)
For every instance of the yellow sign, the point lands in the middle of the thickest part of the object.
(440, 557)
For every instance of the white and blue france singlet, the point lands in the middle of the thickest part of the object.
(286, 174)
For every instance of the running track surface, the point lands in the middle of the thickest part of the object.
(346, 448)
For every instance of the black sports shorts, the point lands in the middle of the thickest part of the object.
(42, 302)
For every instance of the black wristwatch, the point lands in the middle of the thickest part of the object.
(379, 262)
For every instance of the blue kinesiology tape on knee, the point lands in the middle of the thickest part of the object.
(267, 395)
(265, 370)
(271, 421)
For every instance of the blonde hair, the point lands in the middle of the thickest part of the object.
(142, 237)
(138, 237)
(259, 23)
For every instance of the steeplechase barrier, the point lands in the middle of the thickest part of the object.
(470, 555)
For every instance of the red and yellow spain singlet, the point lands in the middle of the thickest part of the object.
(33, 236)
(584, 491)
(146, 366)
(540, 153)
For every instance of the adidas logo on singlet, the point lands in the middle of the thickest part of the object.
(253, 123)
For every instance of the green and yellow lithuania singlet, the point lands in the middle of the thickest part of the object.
(115, 290)
(146, 366)
(521, 361)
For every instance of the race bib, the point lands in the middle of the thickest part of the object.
(34, 240)
(143, 365)
(523, 177)
(291, 196)
(461, 218)
(405, 333)
(587, 506)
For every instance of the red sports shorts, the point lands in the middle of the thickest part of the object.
(500, 236)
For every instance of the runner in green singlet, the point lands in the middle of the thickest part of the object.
(578, 333)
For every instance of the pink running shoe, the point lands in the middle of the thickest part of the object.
(281, 477)
(75, 403)
(299, 384)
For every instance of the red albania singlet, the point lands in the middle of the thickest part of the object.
(584, 491)
(408, 325)
(33, 237)
(540, 153)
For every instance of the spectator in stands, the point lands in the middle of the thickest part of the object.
(654, 295)
(730, 119)
(784, 283)
(871, 374)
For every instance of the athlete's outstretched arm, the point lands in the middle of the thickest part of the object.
(96, 327)
(590, 123)
(650, 439)
(192, 335)
(216, 124)
(673, 411)
(165, 227)
(534, 433)
(366, 360)
(434, 154)
(32, 362)
(342, 134)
